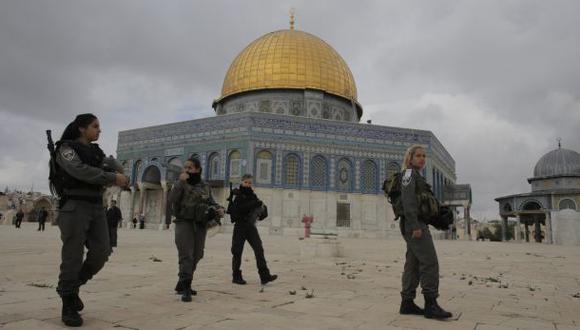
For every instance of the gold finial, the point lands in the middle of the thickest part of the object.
(559, 142)
(292, 11)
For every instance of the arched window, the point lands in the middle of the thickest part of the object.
(507, 208)
(194, 156)
(392, 168)
(292, 170)
(318, 173)
(369, 177)
(235, 167)
(152, 175)
(344, 175)
(214, 166)
(264, 167)
(174, 167)
(175, 161)
(567, 204)
(531, 205)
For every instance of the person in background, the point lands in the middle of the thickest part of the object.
(114, 216)
(42, 216)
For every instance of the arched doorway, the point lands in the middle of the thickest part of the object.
(533, 215)
(152, 196)
(37, 205)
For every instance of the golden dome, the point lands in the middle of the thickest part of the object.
(289, 59)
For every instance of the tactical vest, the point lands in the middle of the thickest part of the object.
(194, 203)
(91, 155)
(427, 203)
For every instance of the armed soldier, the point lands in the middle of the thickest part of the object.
(78, 178)
(245, 210)
(421, 264)
(194, 208)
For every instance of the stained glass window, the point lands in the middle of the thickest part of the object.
(214, 166)
(292, 164)
(318, 172)
(264, 167)
(343, 175)
(369, 176)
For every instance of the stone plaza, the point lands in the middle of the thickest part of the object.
(486, 285)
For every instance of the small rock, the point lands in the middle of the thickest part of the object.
(470, 282)
(292, 292)
(303, 288)
(40, 285)
(350, 276)
(309, 294)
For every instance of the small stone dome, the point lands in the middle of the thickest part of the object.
(558, 162)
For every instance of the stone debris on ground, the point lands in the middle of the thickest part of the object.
(535, 286)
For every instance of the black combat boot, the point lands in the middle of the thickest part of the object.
(179, 288)
(237, 278)
(408, 307)
(70, 316)
(78, 303)
(434, 311)
(266, 277)
(187, 291)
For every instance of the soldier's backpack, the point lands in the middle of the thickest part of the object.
(392, 189)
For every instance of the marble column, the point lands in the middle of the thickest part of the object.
(467, 218)
(163, 205)
(142, 199)
(549, 235)
(504, 228)
(131, 208)
(517, 231)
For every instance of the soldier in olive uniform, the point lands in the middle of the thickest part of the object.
(421, 265)
(79, 180)
(192, 205)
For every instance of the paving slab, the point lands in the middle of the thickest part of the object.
(487, 285)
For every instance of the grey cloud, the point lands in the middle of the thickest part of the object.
(497, 77)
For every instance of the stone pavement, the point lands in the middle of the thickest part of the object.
(489, 286)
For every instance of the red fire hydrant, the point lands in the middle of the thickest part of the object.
(307, 220)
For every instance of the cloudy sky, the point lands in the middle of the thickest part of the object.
(496, 81)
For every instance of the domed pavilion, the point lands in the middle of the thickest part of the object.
(288, 113)
(550, 213)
